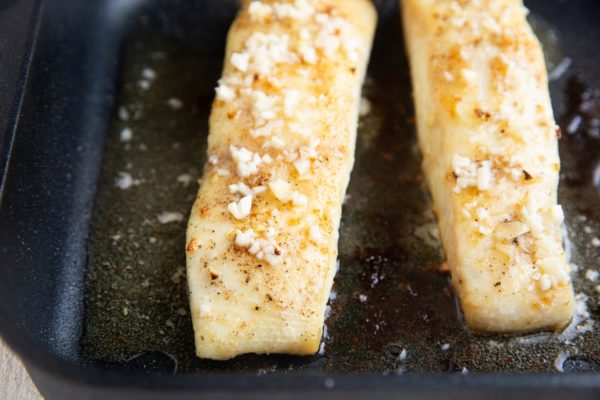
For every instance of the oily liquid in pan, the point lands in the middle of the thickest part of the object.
(393, 310)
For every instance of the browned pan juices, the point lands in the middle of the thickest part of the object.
(393, 311)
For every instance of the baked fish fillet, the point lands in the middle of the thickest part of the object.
(262, 235)
(489, 145)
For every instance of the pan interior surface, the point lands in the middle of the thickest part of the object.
(393, 309)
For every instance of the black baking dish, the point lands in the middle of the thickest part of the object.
(61, 63)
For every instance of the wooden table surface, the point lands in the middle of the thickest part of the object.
(14, 380)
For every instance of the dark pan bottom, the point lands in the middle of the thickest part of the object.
(393, 311)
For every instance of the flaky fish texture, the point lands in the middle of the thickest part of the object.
(489, 144)
(263, 232)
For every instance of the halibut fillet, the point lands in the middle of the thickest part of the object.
(489, 145)
(263, 232)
